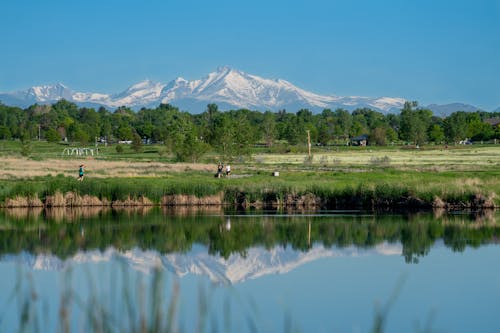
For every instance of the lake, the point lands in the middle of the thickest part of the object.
(214, 270)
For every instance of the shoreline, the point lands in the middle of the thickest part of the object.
(241, 200)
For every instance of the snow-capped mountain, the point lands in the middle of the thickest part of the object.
(256, 263)
(39, 94)
(228, 88)
(231, 87)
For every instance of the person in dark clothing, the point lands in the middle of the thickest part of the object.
(81, 172)
(219, 170)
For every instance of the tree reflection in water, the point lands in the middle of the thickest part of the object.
(64, 231)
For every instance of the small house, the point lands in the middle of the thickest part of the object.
(361, 140)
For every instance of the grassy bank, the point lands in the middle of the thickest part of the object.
(324, 189)
(334, 177)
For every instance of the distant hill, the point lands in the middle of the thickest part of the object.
(444, 110)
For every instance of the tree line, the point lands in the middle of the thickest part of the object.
(235, 132)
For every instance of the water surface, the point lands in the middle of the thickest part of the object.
(238, 271)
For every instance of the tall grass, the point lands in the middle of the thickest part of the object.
(320, 189)
(131, 303)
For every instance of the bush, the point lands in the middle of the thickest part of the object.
(136, 143)
(52, 136)
(26, 148)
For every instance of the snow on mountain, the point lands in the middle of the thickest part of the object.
(38, 94)
(227, 87)
(256, 263)
(241, 90)
(140, 94)
(49, 93)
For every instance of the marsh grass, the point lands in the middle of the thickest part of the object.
(133, 308)
(331, 190)
(365, 178)
(130, 303)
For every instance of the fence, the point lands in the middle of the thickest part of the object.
(80, 151)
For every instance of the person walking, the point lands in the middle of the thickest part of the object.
(219, 170)
(81, 172)
(228, 170)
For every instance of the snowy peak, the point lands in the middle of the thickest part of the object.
(47, 93)
(143, 86)
(142, 93)
(243, 90)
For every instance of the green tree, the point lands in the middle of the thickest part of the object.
(124, 132)
(105, 123)
(436, 134)
(414, 123)
(378, 136)
(268, 128)
(292, 129)
(52, 135)
(188, 147)
(209, 126)
(81, 135)
(343, 123)
(455, 126)
(5, 133)
(136, 143)
(477, 129)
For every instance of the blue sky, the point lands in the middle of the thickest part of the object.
(432, 51)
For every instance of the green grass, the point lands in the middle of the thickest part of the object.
(364, 189)
(354, 176)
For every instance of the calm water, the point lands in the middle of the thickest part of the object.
(214, 271)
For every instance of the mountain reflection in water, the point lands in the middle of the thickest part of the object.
(256, 262)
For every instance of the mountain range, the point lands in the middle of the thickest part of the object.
(256, 263)
(227, 87)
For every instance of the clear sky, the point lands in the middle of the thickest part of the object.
(432, 51)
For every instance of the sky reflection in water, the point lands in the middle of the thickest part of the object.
(314, 273)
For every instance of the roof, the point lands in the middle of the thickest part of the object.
(493, 121)
(360, 137)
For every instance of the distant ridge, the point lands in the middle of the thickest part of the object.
(227, 87)
(446, 109)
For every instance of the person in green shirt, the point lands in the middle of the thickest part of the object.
(81, 172)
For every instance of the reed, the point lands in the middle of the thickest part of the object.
(367, 190)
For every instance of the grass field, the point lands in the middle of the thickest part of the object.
(457, 174)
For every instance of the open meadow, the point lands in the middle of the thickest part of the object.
(335, 177)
